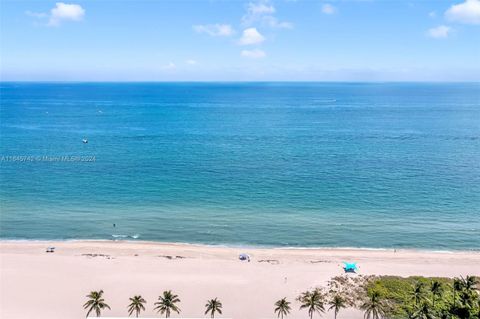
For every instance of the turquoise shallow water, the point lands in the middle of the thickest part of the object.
(270, 164)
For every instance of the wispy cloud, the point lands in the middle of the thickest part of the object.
(38, 15)
(215, 30)
(328, 9)
(191, 62)
(253, 54)
(261, 7)
(274, 23)
(467, 12)
(439, 32)
(255, 11)
(251, 36)
(263, 12)
(169, 66)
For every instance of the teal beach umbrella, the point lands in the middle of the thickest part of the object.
(350, 267)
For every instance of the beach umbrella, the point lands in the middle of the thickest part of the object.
(350, 267)
(243, 256)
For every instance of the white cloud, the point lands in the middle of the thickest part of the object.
(255, 11)
(439, 32)
(191, 62)
(274, 23)
(263, 12)
(65, 12)
(61, 12)
(328, 9)
(263, 7)
(432, 14)
(467, 12)
(251, 36)
(253, 54)
(215, 30)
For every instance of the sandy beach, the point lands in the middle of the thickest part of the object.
(36, 284)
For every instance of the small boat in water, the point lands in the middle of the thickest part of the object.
(85, 141)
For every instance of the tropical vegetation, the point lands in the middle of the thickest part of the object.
(213, 306)
(336, 304)
(167, 303)
(378, 297)
(313, 301)
(282, 308)
(426, 298)
(95, 303)
(136, 305)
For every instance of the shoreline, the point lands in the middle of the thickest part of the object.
(240, 246)
(248, 290)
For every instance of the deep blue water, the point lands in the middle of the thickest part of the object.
(271, 164)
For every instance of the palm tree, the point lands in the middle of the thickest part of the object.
(336, 304)
(374, 307)
(436, 290)
(95, 302)
(424, 312)
(469, 283)
(213, 305)
(457, 287)
(417, 292)
(467, 299)
(136, 305)
(313, 302)
(467, 291)
(282, 307)
(167, 303)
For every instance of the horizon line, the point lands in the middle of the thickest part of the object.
(243, 81)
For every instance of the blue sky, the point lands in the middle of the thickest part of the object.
(298, 40)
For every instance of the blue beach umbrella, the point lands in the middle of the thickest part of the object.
(350, 267)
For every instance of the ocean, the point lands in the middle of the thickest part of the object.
(373, 165)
